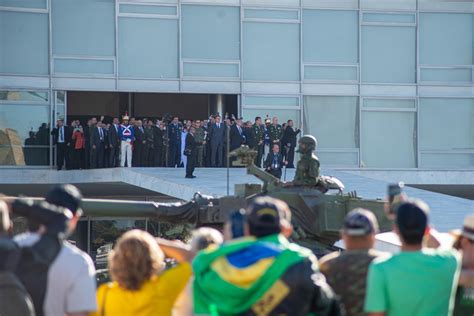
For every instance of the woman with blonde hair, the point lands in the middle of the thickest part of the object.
(141, 285)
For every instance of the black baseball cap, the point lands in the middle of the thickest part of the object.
(360, 222)
(265, 216)
(66, 195)
(412, 220)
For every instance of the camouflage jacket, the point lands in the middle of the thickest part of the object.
(275, 133)
(257, 131)
(199, 136)
(307, 170)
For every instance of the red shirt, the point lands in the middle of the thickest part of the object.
(80, 142)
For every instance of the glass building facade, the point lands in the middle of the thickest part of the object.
(380, 83)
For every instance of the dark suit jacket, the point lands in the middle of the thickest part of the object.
(139, 136)
(236, 139)
(113, 136)
(289, 136)
(216, 134)
(95, 137)
(191, 144)
(269, 161)
(250, 137)
(67, 135)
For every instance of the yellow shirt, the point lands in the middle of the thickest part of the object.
(156, 296)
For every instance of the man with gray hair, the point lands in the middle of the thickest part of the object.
(346, 272)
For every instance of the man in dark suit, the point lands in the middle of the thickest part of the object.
(191, 152)
(148, 153)
(274, 162)
(62, 136)
(158, 144)
(174, 142)
(289, 141)
(237, 137)
(139, 145)
(87, 142)
(98, 140)
(217, 135)
(114, 143)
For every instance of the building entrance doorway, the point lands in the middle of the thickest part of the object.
(82, 105)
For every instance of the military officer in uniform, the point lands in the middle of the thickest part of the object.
(127, 137)
(174, 141)
(307, 168)
(200, 138)
(275, 132)
(255, 141)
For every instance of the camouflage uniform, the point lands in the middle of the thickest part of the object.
(307, 168)
(199, 138)
(258, 136)
(275, 133)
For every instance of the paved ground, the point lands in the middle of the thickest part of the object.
(447, 211)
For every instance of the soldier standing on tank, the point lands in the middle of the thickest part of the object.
(307, 168)
(275, 132)
(200, 138)
(174, 136)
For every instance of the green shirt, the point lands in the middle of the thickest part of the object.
(413, 283)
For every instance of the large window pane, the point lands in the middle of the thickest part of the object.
(28, 96)
(282, 115)
(85, 27)
(330, 36)
(271, 101)
(341, 112)
(18, 122)
(210, 32)
(388, 54)
(446, 124)
(148, 48)
(388, 140)
(24, 43)
(446, 38)
(23, 155)
(31, 4)
(271, 51)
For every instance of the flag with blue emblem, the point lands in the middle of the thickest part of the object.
(235, 277)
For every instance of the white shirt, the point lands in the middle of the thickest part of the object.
(71, 282)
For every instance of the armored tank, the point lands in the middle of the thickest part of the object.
(318, 203)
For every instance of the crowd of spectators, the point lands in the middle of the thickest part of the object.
(165, 143)
(253, 268)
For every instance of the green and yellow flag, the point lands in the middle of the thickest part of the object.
(231, 279)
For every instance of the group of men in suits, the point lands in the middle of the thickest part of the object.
(190, 144)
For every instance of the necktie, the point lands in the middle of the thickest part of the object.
(116, 128)
(61, 138)
(101, 135)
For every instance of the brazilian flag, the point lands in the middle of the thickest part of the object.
(237, 276)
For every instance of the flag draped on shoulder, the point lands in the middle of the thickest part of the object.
(230, 279)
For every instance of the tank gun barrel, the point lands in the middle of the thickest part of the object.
(188, 212)
(201, 210)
